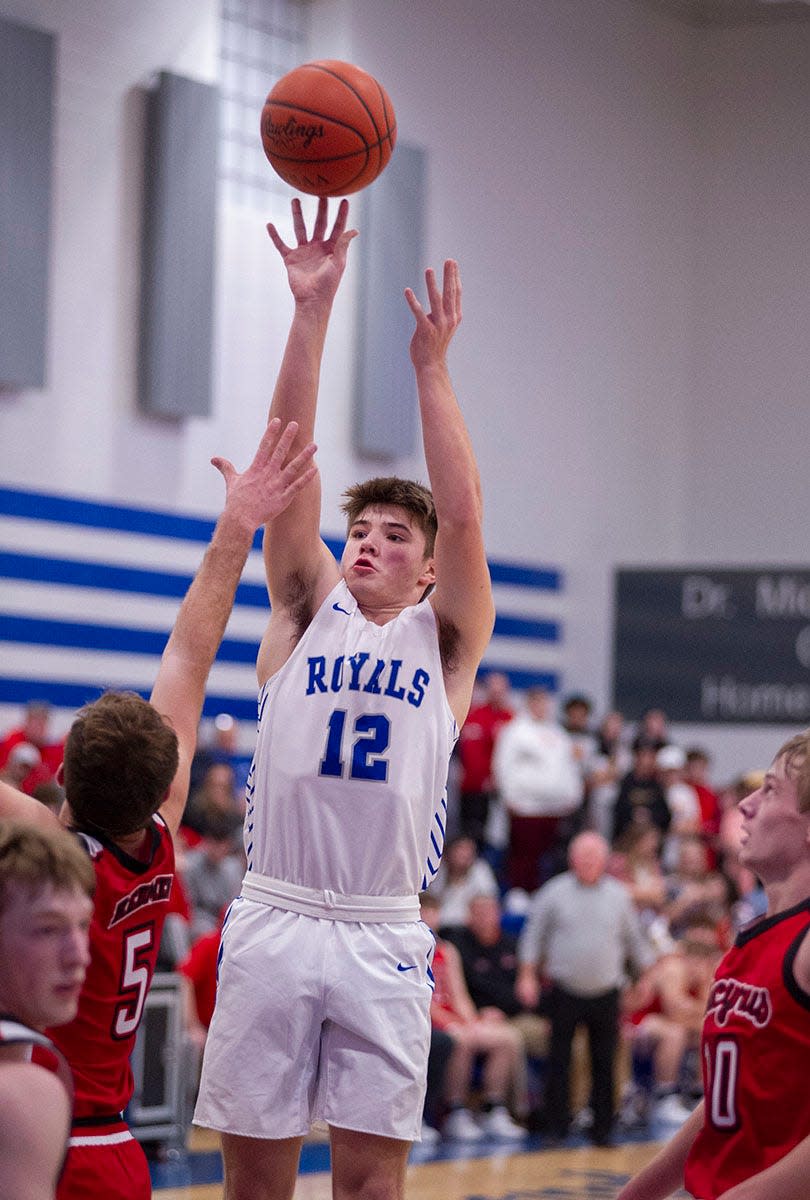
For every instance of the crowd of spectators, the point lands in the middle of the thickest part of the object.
(608, 1007)
(588, 886)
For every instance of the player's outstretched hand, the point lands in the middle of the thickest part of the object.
(315, 265)
(435, 328)
(271, 481)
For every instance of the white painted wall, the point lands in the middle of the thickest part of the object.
(627, 198)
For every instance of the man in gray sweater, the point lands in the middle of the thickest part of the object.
(581, 933)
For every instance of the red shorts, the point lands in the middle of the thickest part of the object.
(104, 1160)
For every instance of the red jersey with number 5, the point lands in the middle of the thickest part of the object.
(130, 906)
(756, 1058)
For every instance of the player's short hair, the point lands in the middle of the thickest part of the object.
(32, 857)
(796, 753)
(415, 498)
(121, 756)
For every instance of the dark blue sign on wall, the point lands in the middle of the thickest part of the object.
(714, 646)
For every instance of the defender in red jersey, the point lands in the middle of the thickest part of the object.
(749, 1139)
(125, 774)
(46, 888)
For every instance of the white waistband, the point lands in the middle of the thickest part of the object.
(100, 1139)
(314, 902)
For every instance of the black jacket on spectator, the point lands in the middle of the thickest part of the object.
(490, 971)
(640, 799)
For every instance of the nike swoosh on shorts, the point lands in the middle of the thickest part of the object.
(403, 967)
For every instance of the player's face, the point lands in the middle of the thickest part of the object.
(384, 560)
(44, 953)
(774, 835)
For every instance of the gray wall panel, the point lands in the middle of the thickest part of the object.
(178, 248)
(391, 222)
(26, 127)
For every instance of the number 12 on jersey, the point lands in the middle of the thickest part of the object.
(362, 748)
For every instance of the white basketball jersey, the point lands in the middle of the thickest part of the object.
(347, 787)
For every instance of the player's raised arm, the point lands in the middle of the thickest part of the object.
(462, 599)
(252, 498)
(315, 266)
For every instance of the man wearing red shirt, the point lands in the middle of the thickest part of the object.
(476, 744)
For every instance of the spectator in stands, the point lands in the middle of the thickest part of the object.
(611, 763)
(640, 799)
(476, 745)
(694, 891)
(682, 801)
(34, 731)
(636, 861)
(653, 728)
(463, 874)
(665, 1015)
(22, 759)
(581, 930)
(697, 774)
(486, 1033)
(213, 872)
(216, 796)
(220, 745)
(577, 711)
(488, 955)
(199, 970)
(538, 777)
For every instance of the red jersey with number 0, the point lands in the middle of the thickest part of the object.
(130, 906)
(756, 1058)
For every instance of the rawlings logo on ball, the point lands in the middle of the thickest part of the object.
(291, 133)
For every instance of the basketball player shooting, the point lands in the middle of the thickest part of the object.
(365, 672)
(749, 1138)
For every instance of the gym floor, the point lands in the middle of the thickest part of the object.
(482, 1171)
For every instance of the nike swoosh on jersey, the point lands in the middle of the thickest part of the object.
(338, 608)
(403, 967)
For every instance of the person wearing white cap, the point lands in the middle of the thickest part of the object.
(682, 800)
(20, 763)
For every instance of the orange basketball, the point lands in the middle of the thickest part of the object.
(328, 128)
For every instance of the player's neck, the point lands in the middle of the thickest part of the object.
(381, 614)
(783, 894)
(133, 844)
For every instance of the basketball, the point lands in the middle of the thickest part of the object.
(328, 128)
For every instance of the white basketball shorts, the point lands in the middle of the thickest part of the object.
(317, 1019)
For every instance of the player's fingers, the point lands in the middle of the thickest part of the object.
(341, 219)
(413, 303)
(301, 464)
(434, 296)
(299, 225)
(280, 245)
(342, 243)
(319, 228)
(452, 289)
(267, 441)
(279, 445)
(226, 469)
(300, 481)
